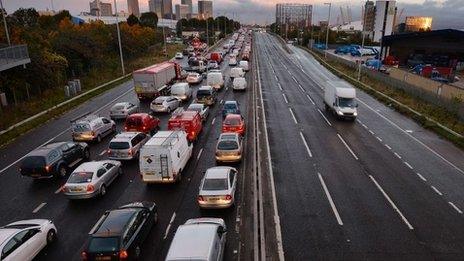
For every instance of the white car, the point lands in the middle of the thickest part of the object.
(236, 72)
(126, 145)
(244, 65)
(91, 179)
(23, 240)
(179, 56)
(217, 189)
(194, 78)
(239, 84)
(123, 109)
(164, 104)
(202, 109)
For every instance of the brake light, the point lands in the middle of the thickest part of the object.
(144, 128)
(93, 133)
(90, 188)
(228, 197)
(123, 254)
(84, 255)
(63, 189)
(130, 152)
(108, 151)
(48, 168)
(201, 199)
(126, 128)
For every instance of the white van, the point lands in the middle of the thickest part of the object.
(215, 80)
(244, 65)
(164, 156)
(199, 239)
(236, 72)
(182, 91)
(340, 98)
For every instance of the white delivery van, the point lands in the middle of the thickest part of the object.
(181, 91)
(340, 98)
(244, 65)
(164, 156)
(215, 80)
(232, 59)
(236, 72)
(199, 239)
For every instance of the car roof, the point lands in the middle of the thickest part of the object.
(205, 88)
(44, 150)
(192, 241)
(121, 104)
(138, 115)
(217, 172)
(228, 136)
(115, 222)
(230, 102)
(233, 116)
(196, 105)
(123, 136)
(6, 233)
(90, 166)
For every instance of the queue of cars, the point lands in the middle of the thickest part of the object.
(162, 155)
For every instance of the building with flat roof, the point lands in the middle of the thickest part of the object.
(167, 9)
(156, 6)
(182, 11)
(385, 15)
(99, 8)
(190, 7)
(205, 9)
(369, 16)
(133, 7)
(294, 15)
(418, 23)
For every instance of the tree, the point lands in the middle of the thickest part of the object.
(149, 19)
(180, 26)
(62, 15)
(132, 20)
(26, 17)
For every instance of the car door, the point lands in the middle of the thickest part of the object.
(232, 182)
(102, 177)
(107, 125)
(112, 172)
(67, 152)
(75, 151)
(20, 246)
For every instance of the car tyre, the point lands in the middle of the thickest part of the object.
(62, 171)
(51, 236)
(99, 138)
(102, 190)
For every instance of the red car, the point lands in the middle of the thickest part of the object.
(234, 123)
(142, 122)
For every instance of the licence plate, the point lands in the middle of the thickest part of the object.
(76, 190)
(103, 258)
(213, 199)
(149, 173)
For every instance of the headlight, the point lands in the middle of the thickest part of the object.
(355, 113)
(340, 113)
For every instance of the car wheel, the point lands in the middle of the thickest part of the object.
(51, 236)
(86, 154)
(99, 138)
(62, 171)
(103, 190)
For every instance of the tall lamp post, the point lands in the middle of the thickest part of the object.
(362, 43)
(119, 38)
(328, 28)
(4, 23)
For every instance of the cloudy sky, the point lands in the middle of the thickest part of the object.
(445, 13)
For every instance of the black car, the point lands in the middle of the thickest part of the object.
(54, 160)
(119, 233)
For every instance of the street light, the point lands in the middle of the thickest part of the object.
(119, 38)
(327, 35)
(4, 23)
(362, 44)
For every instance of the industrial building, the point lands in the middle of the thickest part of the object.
(99, 8)
(385, 14)
(205, 9)
(418, 23)
(294, 15)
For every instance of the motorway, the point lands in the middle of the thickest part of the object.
(23, 198)
(379, 188)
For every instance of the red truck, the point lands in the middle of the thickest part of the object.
(217, 57)
(188, 121)
(153, 81)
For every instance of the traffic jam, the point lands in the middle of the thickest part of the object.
(176, 101)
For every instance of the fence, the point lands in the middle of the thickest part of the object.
(13, 56)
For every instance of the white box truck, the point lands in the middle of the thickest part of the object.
(153, 81)
(164, 157)
(340, 98)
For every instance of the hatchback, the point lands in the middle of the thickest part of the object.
(230, 107)
(142, 122)
(229, 148)
(194, 78)
(217, 189)
(234, 123)
(126, 145)
(123, 109)
(164, 104)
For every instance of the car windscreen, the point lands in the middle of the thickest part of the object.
(227, 145)
(346, 102)
(103, 244)
(203, 93)
(215, 184)
(33, 162)
(119, 145)
(80, 127)
(159, 101)
(80, 177)
(229, 106)
(118, 107)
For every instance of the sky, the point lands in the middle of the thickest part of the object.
(445, 13)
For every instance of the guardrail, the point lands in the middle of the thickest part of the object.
(13, 54)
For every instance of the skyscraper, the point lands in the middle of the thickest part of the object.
(156, 6)
(97, 8)
(369, 19)
(385, 14)
(295, 15)
(181, 11)
(190, 7)
(205, 9)
(133, 7)
(167, 9)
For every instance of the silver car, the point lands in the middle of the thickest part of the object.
(202, 109)
(126, 145)
(91, 179)
(165, 104)
(89, 127)
(217, 189)
(229, 148)
(123, 109)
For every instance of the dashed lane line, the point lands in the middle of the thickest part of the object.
(306, 145)
(293, 115)
(348, 147)
(169, 226)
(329, 197)
(325, 118)
(455, 207)
(39, 207)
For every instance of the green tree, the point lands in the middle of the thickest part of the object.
(26, 17)
(149, 19)
(132, 20)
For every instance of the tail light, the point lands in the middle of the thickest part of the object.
(201, 199)
(144, 128)
(84, 255)
(108, 151)
(93, 133)
(48, 168)
(64, 189)
(90, 188)
(123, 255)
(130, 152)
(228, 197)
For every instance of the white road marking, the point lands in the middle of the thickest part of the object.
(221, 101)
(420, 176)
(306, 145)
(388, 147)
(285, 98)
(293, 115)
(294, 79)
(436, 190)
(332, 205)
(309, 98)
(280, 86)
(39, 207)
(397, 155)
(377, 137)
(364, 125)
(407, 164)
(391, 203)
(169, 226)
(348, 147)
(323, 116)
(455, 207)
(301, 88)
(58, 190)
(371, 132)
(199, 154)
(276, 77)
(102, 152)
(212, 122)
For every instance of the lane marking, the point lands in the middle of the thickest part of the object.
(294, 79)
(407, 164)
(391, 203)
(455, 207)
(323, 116)
(59, 190)
(293, 115)
(221, 101)
(280, 86)
(348, 147)
(371, 132)
(420, 176)
(39, 207)
(169, 226)
(309, 98)
(332, 204)
(397, 155)
(306, 145)
(377, 137)
(436, 190)
(364, 125)
(301, 88)
(102, 153)
(388, 147)
(212, 122)
(199, 154)
(276, 77)
(285, 98)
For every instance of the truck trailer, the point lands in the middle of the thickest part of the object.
(153, 81)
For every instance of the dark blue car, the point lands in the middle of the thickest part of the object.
(230, 107)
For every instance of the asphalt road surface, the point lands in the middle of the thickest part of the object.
(378, 188)
(24, 198)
